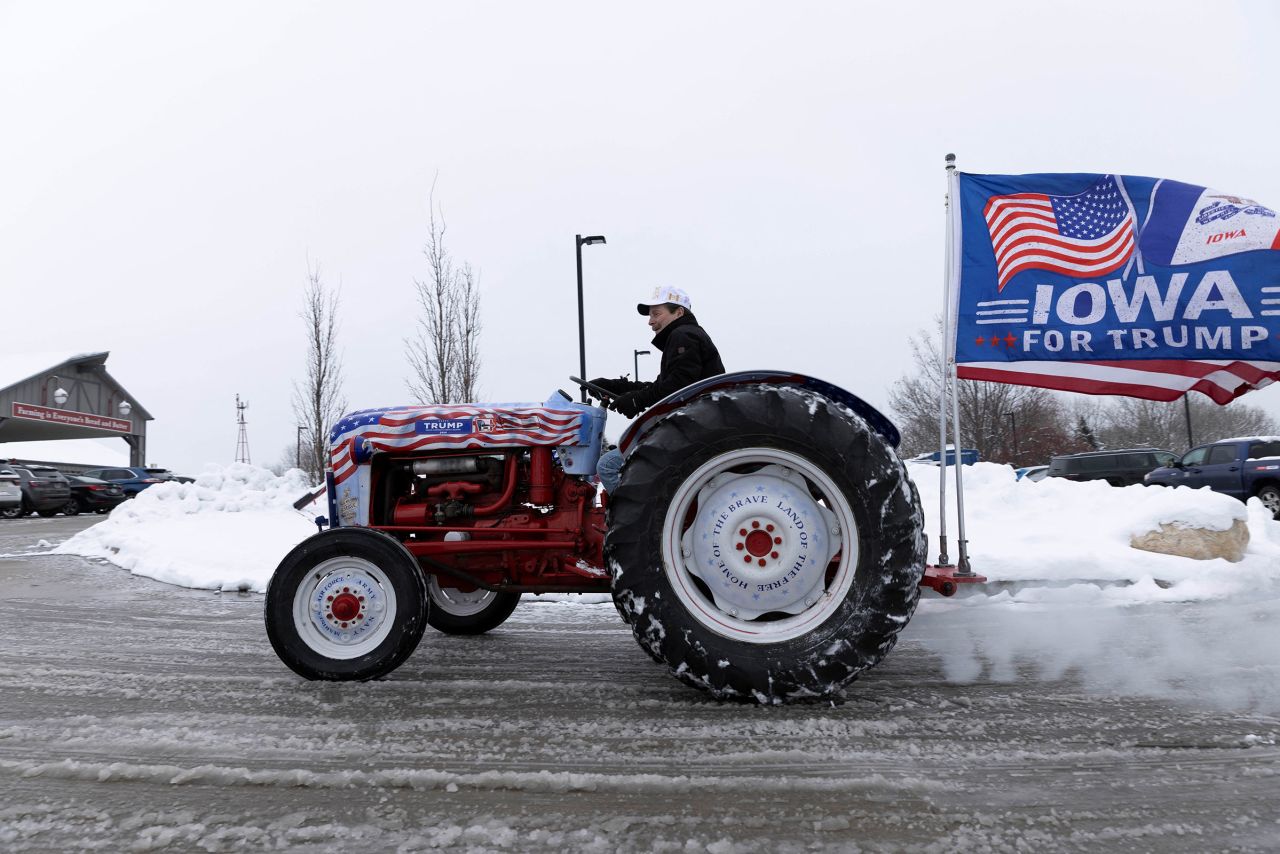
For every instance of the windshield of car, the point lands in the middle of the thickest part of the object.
(1195, 457)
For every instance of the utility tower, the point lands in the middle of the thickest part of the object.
(242, 442)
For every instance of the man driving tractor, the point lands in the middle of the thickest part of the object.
(688, 355)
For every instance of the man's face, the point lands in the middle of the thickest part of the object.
(660, 316)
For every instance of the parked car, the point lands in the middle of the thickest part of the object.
(166, 474)
(1122, 467)
(10, 488)
(1241, 468)
(91, 495)
(133, 479)
(968, 456)
(44, 490)
(1032, 473)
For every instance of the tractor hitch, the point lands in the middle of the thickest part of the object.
(947, 579)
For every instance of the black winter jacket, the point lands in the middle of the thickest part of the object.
(688, 355)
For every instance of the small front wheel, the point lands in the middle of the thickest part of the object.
(346, 604)
(474, 612)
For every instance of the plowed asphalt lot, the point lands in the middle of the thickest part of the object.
(139, 716)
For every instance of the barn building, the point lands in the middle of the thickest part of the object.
(51, 398)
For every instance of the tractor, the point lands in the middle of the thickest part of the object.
(765, 543)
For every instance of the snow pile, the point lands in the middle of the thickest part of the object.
(1055, 537)
(226, 531)
(1061, 531)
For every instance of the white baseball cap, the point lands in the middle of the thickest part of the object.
(662, 295)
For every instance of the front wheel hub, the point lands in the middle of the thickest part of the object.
(761, 543)
(347, 607)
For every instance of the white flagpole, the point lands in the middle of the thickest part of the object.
(943, 375)
(953, 291)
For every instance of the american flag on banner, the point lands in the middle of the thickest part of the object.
(1111, 284)
(429, 428)
(1150, 379)
(1089, 233)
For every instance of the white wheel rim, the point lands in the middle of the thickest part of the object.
(1271, 500)
(796, 588)
(344, 608)
(458, 603)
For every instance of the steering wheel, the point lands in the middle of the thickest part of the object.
(606, 396)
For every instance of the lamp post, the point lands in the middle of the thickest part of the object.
(1013, 420)
(579, 242)
(638, 354)
(298, 459)
(1186, 408)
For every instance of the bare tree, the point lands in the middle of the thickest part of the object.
(318, 402)
(1128, 422)
(1026, 426)
(467, 333)
(444, 355)
(1016, 424)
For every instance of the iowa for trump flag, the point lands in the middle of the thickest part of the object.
(1115, 284)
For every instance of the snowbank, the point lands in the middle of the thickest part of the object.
(1057, 532)
(226, 531)
(1054, 538)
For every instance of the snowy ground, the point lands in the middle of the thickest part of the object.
(142, 716)
(1091, 698)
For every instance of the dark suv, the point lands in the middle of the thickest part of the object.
(133, 479)
(44, 490)
(1119, 468)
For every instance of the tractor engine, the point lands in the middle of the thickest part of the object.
(507, 520)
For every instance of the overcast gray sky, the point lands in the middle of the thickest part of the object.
(166, 171)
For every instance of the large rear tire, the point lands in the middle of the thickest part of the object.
(346, 604)
(765, 544)
(455, 612)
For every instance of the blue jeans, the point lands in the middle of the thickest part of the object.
(609, 468)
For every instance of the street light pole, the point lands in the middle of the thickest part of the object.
(1013, 419)
(1186, 407)
(636, 359)
(298, 460)
(579, 242)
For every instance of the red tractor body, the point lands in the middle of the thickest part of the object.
(498, 497)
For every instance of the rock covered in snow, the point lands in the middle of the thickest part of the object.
(1195, 542)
